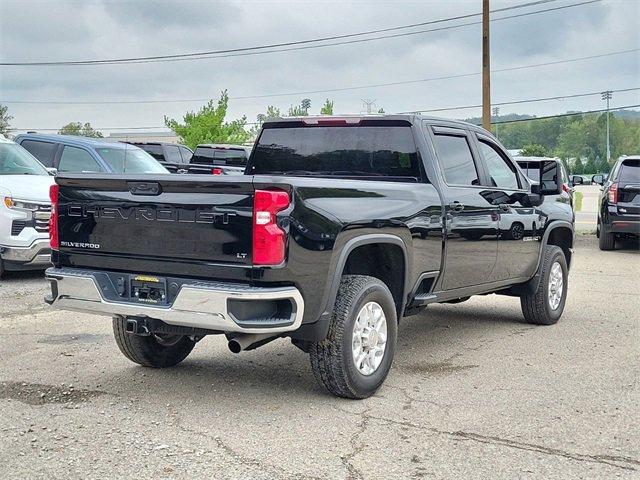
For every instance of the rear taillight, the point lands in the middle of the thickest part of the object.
(269, 239)
(565, 188)
(216, 171)
(613, 193)
(54, 239)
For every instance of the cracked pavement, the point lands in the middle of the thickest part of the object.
(474, 393)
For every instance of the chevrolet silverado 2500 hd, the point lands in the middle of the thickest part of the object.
(339, 228)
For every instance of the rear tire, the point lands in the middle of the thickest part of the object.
(540, 307)
(334, 361)
(151, 350)
(606, 241)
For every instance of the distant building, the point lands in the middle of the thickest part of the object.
(166, 137)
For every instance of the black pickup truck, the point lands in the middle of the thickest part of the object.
(175, 158)
(339, 228)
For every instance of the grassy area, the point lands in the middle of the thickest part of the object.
(577, 201)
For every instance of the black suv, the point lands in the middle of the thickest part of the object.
(224, 159)
(619, 202)
(173, 157)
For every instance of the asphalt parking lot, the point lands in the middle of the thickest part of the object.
(474, 393)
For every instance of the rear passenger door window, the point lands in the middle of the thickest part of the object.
(456, 159)
(502, 173)
(43, 151)
(172, 154)
(186, 154)
(77, 160)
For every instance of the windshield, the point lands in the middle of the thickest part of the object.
(371, 151)
(220, 156)
(130, 160)
(15, 160)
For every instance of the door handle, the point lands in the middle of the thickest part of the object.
(504, 207)
(456, 206)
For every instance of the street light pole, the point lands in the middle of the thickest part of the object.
(496, 111)
(607, 96)
(486, 66)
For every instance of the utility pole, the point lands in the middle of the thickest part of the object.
(496, 111)
(368, 104)
(486, 66)
(607, 96)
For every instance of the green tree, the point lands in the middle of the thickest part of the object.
(208, 125)
(591, 166)
(327, 108)
(603, 166)
(77, 128)
(5, 120)
(578, 167)
(534, 150)
(301, 110)
(272, 112)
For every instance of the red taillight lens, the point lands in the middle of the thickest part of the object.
(565, 188)
(216, 171)
(613, 193)
(269, 239)
(54, 240)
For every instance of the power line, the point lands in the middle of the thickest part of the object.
(260, 47)
(516, 102)
(570, 114)
(624, 107)
(302, 44)
(308, 92)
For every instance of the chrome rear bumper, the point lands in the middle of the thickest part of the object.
(197, 304)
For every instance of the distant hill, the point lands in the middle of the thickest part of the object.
(500, 118)
(625, 114)
(628, 114)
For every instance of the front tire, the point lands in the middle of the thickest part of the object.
(546, 304)
(154, 350)
(355, 358)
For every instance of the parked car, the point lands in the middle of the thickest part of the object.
(174, 158)
(619, 202)
(25, 210)
(339, 228)
(72, 154)
(549, 173)
(223, 159)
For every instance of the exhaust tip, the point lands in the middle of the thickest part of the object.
(235, 346)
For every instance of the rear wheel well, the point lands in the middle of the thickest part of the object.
(384, 261)
(563, 238)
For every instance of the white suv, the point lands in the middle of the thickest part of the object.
(25, 209)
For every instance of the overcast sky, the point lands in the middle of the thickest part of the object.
(94, 29)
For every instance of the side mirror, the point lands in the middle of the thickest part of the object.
(599, 179)
(535, 198)
(577, 180)
(52, 170)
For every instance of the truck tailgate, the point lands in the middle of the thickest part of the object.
(177, 218)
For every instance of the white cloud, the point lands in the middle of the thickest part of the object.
(84, 30)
